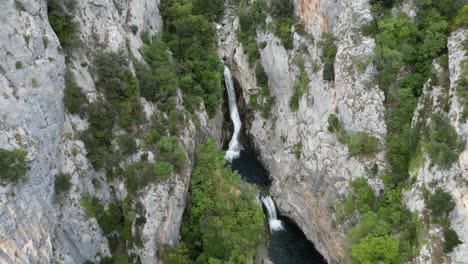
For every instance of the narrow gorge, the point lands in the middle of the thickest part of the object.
(236, 131)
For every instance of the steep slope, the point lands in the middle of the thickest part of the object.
(37, 225)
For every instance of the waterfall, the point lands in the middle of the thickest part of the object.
(234, 146)
(275, 223)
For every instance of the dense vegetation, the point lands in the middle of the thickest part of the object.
(358, 143)
(62, 23)
(73, 97)
(383, 230)
(443, 143)
(222, 222)
(13, 165)
(191, 35)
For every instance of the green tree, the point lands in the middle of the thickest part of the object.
(176, 255)
(440, 203)
(222, 222)
(163, 170)
(384, 249)
(73, 97)
(127, 144)
(62, 183)
(13, 165)
(451, 240)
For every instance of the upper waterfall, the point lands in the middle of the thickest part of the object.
(234, 146)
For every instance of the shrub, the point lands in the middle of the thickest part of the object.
(13, 165)
(163, 170)
(440, 203)
(451, 240)
(62, 23)
(301, 85)
(380, 249)
(127, 144)
(171, 151)
(334, 125)
(74, 99)
(175, 255)
(19, 65)
(98, 137)
(363, 194)
(137, 175)
(361, 143)
(297, 150)
(159, 80)
(62, 183)
(260, 74)
(444, 145)
(119, 85)
(329, 49)
(282, 8)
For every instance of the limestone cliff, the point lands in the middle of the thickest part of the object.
(34, 226)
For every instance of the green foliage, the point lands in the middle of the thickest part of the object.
(361, 143)
(329, 49)
(192, 38)
(62, 24)
(261, 76)
(163, 170)
(461, 20)
(251, 18)
(13, 165)
(19, 65)
(138, 175)
(115, 221)
(444, 146)
(440, 203)
(382, 249)
(451, 240)
(158, 80)
(171, 151)
(263, 100)
(119, 85)
(62, 183)
(222, 222)
(211, 9)
(282, 8)
(73, 97)
(462, 90)
(302, 83)
(297, 149)
(363, 194)
(98, 137)
(334, 125)
(176, 255)
(127, 144)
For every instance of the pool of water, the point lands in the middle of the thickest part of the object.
(289, 245)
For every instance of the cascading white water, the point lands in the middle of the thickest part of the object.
(275, 223)
(234, 146)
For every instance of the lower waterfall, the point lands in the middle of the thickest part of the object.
(274, 222)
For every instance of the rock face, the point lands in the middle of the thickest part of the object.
(34, 227)
(307, 187)
(454, 179)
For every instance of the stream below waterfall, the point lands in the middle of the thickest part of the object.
(288, 245)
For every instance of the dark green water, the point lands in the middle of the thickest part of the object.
(287, 246)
